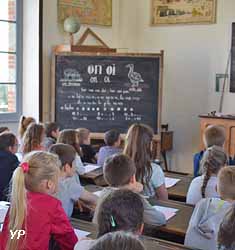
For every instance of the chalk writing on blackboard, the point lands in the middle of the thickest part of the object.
(103, 92)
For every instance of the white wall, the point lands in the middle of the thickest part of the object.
(193, 56)
(31, 58)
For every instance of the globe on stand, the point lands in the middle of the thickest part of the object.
(71, 26)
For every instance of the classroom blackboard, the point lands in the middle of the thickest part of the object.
(232, 73)
(104, 91)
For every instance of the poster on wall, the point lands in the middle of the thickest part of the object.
(183, 12)
(98, 12)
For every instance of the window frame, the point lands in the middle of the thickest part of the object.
(14, 117)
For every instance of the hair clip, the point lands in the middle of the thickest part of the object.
(25, 167)
(113, 224)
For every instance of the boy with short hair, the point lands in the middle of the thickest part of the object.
(69, 190)
(8, 162)
(119, 173)
(112, 140)
(210, 212)
(52, 132)
(214, 135)
(88, 153)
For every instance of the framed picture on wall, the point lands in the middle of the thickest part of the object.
(164, 12)
(97, 12)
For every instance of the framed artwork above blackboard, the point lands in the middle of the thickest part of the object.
(97, 12)
(168, 12)
(106, 90)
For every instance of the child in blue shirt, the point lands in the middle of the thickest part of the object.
(69, 190)
(214, 135)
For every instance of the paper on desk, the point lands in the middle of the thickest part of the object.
(167, 211)
(81, 234)
(170, 182)
(98, 193)
(89, 168)
(3, 212)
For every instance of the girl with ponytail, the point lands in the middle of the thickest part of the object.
(204, 186)
(115, 213)
(33, 208)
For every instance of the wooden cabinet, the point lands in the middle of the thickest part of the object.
(228, 122)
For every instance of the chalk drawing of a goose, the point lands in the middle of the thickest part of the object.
(134, 77)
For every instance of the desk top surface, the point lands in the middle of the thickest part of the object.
(178, 224)
(177, 192)
(150, 243)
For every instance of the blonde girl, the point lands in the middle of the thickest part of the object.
(33, 138)
(204, 186)
(71, 137)
(138, 148)
(33, 207)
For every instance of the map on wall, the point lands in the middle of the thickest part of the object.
(98, 12)
(183, 12)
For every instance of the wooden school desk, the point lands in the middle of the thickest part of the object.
(177, 192)
(176, 227)
(180, 190)
(149, 242)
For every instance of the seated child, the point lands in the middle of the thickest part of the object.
(119, 173)
(112, 140)
(226, 240)
(23, 125)
(69, 191)
(52, 132)
(214, 135)
(88, 153)
(138, 147)
(4, 129)
(8, 161)
(34, 184)
(71, 137)
(204, 186)
(118, 241)
(209, 213)
(115, 213)
(33, 138)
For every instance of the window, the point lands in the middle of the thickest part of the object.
(10, 59)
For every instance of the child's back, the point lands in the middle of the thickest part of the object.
(45, 216)
(204, 224)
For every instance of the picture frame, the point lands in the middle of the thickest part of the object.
(89, 12)
(176, 12)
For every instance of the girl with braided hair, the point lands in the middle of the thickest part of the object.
(205, 186)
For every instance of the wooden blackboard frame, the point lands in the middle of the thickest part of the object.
(97, 135)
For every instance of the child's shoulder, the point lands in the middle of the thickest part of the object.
(43, 200)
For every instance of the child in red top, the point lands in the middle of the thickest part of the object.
(34, 209)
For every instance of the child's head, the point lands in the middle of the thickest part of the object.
(212, 161)
(214, 135)
(70, 137)
(8, 142)
(112, 138)
(33, 137)
(226, 232)
(138, 148)
(4, 129)
(38, 172)
(226, 183)
(24, 123)
(52, 130)
(115, 213)
(84, 136)
(118, 241)
(66, 154)
(119, 170)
